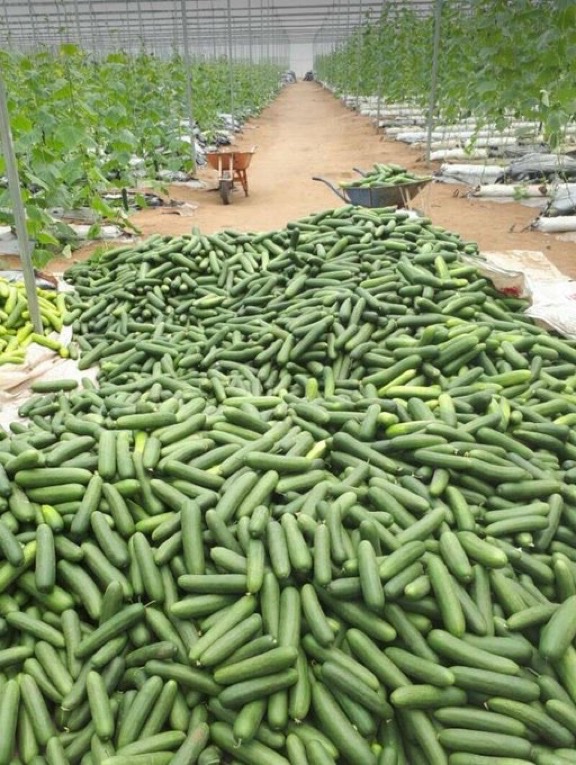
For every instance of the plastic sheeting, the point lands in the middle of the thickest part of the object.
(535, 167)
(510, 191)
(562, 199)
(471, 174)
(529, 274)
(555, 224)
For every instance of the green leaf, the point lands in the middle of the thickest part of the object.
(94, 231)
(70, 135)
(20, 123)
(44, 237)
(69, 49)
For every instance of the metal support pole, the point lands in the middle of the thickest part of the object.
(380, 84)
(175, 31)
(434, 75)
(33, 23)
(359, 58)
(269, 31)
(59, 25)
(8, 28)
(92, 27)
(18, 210)
(214, 41)
(261, 50)
(188, 66)
(77, 22)
(250, 56)
(231, 64)
(140, 26)
(348, 29)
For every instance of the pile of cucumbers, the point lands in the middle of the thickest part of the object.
(16, 328)
(319, 507)
(385, 175)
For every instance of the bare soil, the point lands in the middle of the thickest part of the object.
(305, 132)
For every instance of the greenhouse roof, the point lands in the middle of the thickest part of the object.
(99, 24)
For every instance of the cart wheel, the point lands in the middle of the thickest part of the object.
(226, 191)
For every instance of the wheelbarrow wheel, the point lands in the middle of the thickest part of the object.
(226, 191)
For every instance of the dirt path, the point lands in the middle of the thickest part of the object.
(307, 132)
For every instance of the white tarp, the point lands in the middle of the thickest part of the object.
(41, 363)
(529, 274)
(471, 174)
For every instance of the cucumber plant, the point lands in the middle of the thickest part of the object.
(79, 122)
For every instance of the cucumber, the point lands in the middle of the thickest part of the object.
(150, 744)
(480, 719)
(51, 661)
(547, 727)
(486, 743)
(426, 696)
(213, 584)
(52, 386)
(444, 588)
(224, 646)
(36, 628)
(370, 583)
(147, 422)
(242, 609)
(187, 677)
(35, 705)
(160, 711)
(423, 731)
(419, 668)
(89, 503)
(495, 684)
(236, 695)
(274, 660)
(100, 708)
(41, 477)
(400, 559)
(339, 678)
(300, 557)
(466, 758)
(192, 543)
(456, 650)
(251, 752)
(481, 551)
(563, 712)
(110, 629)
(11, 547)
(315, 617)
(334, 724)
(9, 708)
(558, 634)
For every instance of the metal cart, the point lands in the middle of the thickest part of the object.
(231, 166)
(377, 196)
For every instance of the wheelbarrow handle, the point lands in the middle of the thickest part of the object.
(331, 186)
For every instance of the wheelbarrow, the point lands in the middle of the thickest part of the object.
(377, 196)
(231, 166)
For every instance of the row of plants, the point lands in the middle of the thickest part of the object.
(78, 122)
(496, 58)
